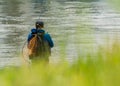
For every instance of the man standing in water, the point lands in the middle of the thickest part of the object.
(39, 43)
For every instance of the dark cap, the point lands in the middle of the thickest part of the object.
(39, 23)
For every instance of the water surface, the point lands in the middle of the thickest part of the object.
(76, 26)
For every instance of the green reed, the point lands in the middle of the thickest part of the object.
(103, 70)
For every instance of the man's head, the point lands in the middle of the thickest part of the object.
(39, 24)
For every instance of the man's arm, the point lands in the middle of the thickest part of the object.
(29, 37)
(49, 39)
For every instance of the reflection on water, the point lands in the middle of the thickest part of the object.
(65, 20)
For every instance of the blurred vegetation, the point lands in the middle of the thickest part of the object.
(101, 71)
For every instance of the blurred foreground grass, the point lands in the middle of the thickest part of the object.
(104, 70)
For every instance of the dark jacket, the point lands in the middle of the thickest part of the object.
(47, 37)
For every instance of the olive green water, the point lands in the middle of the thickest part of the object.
(76, 27)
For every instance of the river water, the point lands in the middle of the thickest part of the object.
(76, 27)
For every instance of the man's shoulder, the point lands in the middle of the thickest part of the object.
(47, 34)
(33, 30)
